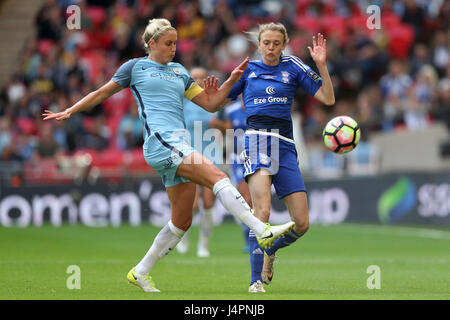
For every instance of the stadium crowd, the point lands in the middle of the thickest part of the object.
(393, 78)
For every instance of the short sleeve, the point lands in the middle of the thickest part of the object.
(307, 78)
(123, 74)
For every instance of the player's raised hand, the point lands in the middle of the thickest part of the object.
(63, 115)
(211, 84)
(237, 73)
(319, 50)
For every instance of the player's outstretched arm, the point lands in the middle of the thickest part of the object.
(92, 99)
(211, 98)
(318, 52)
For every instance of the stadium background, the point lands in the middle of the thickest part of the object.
(394, 81)
(386, 203)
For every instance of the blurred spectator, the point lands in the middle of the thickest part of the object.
(193, 24)
(49, 22)
(98, 134)
(444, 90)
(370, 60)
(364, 160)
(441, 109)
(15, 91)
(221, 25)
(414, 15)
(325, 164)
(394, 87)
(314, 124)
(26, 146)
(420, 96)
(11, 153)
(130, 131)
(394, 77)
(5, 133)
(348, 72)
(441, 51)
(421, 57)
(47, 147)
(369, 112)
(75, 132)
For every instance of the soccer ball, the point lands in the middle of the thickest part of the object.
(341, 134)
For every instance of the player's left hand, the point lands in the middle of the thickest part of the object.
(319, 50)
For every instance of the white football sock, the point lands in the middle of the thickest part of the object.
(235, 204)
(183, 245)
(164, 241)
(206, 225)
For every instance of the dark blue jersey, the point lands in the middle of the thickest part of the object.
(268, 91)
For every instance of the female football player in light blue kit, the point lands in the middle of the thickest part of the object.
(159, 87)
(268, 87)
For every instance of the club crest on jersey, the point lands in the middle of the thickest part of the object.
(270, 90)
(285, 76)
(176, 70)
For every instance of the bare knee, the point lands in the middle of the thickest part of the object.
(186, 225)
(208, 204)
(200, 170)
(215, 176)
(183, 224)
(220, 175)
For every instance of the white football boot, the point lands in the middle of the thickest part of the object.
(256, 286)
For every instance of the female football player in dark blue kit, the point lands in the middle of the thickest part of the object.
(268, 87)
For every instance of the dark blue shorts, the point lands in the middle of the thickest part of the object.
(278, 157)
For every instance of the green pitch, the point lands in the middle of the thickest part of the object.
(329, 262)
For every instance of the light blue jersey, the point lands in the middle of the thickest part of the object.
(159, 91)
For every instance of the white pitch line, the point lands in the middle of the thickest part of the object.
(283, 260)
(399, 231)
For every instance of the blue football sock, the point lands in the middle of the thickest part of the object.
(282, 242)
(245, 232)
(256, 258)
